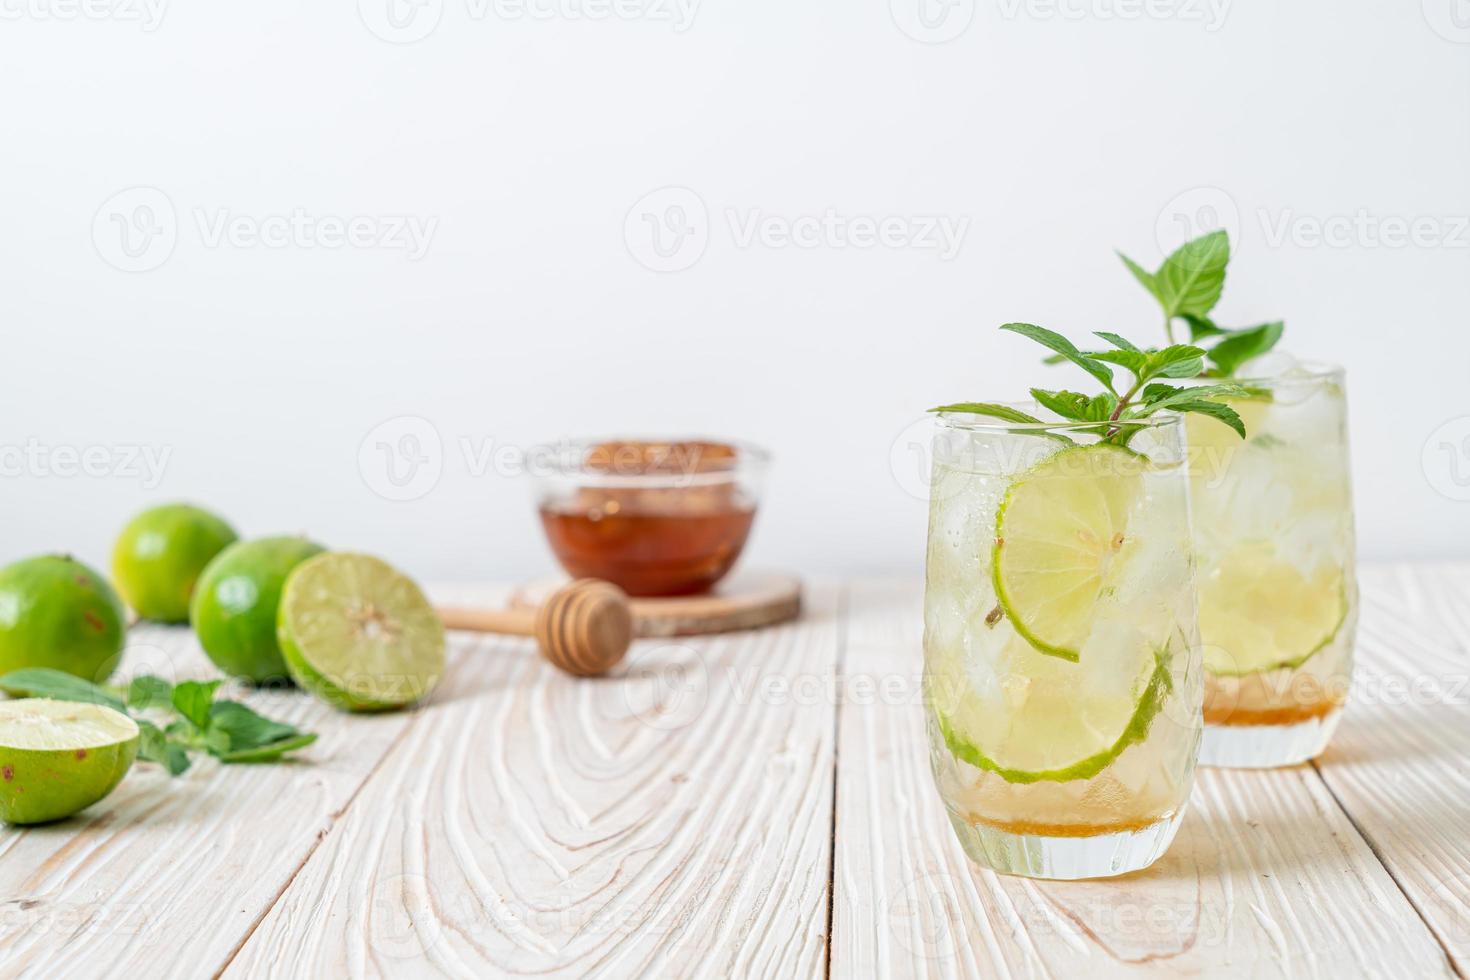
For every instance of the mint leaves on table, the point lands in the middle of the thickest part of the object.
(228, 730)
(1112, 409)
(1187, 287)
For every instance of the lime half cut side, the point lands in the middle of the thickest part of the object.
(1061, 537)
(59, 757)
(1038, 718)
(1259, 612)
(359, 634)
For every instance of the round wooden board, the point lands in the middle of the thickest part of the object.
(744, 600)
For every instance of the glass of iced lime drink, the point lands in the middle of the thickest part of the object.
(1061, 654)
(1278, 600)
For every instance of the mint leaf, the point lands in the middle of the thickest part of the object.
(1003, 412)
(989, 408)
(1055, 341)
(238, 734)
(147, 691)
(1135, 362)
(1075, 406)
(1242, 345)
(1176, 361)
(192, 700)
(1217, 410)
(43, 682)
(1201, 327)
(245, 728)
(1143, 276)
(154, 746)
(1157, 397)
(269, 753)
(1122, 343)
(1191, 279)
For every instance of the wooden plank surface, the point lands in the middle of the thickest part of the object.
(672, 821)
(1267, 877)
(1400, 763)
(679, 820)
(166, 878)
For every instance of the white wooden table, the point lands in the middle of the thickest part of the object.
(754, 805)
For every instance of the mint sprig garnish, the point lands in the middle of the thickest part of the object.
(1187, 287)
(1113, 409)
(228, 730)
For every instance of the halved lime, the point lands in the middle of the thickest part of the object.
(58, 757)
(359, 634)
(1061, 538)
(1259, 612)
(1029, 717)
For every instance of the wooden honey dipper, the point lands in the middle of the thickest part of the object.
(584, 627)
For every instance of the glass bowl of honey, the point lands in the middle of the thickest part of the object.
(654, 517)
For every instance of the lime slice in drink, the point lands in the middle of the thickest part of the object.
(359, 634)
(58, 757)
(1029, 717)
(1061, 539)
(1258, 612)
(1210, 434)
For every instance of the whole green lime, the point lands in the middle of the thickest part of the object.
(159, 555)
(234, 607)
(56, 612)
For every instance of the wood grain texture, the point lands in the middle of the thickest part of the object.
(166, 878)
(1400, 763)
(677, 820)
(745, 600)
(1267, 877)
(671, 820)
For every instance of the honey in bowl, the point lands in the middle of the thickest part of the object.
(656, 518)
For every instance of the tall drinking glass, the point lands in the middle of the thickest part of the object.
(1061, 655)
(1273, 523)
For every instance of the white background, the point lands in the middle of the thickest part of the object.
(1058, 132)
